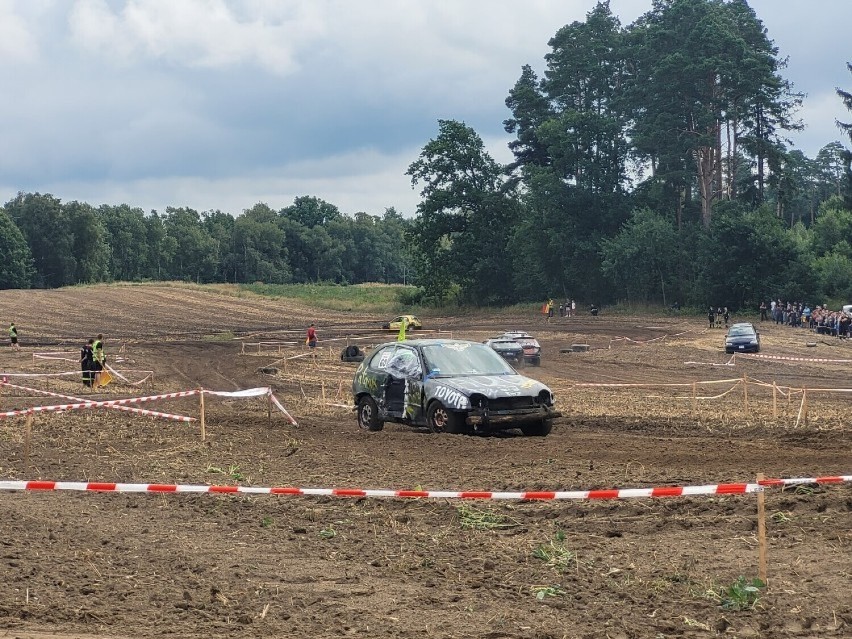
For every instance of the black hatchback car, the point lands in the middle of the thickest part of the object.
(452, 386)
(742, 338)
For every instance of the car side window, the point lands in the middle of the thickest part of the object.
(382, 357)
(404, 363)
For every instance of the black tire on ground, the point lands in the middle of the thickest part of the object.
(536, 361)
(368, 414)
(540, 428)
(440, 419)
(351, 354)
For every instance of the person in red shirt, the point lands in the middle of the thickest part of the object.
(311, 341)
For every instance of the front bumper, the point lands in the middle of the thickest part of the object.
(509, 417)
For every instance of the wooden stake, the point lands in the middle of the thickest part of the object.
(28, 429)
(269, 407)
(774, 400)
(201, 406)
(804, 406)
(761, 532)
(745, 393)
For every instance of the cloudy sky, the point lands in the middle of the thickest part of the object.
(220, 104)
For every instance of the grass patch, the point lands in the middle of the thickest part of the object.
(475, 519)
(366, 298)
(555, 554)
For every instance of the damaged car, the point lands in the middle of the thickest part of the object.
(452, 386)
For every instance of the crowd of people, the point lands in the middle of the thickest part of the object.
(820, 319)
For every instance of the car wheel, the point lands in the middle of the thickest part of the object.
(440, 419)
(537, 361)
(540, 428)
(368, 414)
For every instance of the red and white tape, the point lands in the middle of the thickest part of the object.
(137, 411)
(621, 493)
(120, 404)
(101, 404)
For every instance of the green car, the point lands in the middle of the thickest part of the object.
(447, 385)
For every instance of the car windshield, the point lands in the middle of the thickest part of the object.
(741, 331)
(460, 358)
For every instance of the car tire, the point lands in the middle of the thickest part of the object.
(536, 361)
(440, 419)
(368, 414)
(541, 428)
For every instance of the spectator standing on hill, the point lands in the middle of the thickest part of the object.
(726, 316)
(13, 336)
(87, 358)
(763, 311)
(711, 316)
(573, 309)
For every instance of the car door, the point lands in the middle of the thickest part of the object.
(404, 385)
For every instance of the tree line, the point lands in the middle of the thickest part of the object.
(650, 165)
(47, 243)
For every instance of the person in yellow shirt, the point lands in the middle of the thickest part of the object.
(403, 326)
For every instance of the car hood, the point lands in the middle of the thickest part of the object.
(490, 386)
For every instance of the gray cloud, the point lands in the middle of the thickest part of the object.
(223, 103)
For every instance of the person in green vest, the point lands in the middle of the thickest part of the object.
(403, 325)
(13, 336)
(98, 359)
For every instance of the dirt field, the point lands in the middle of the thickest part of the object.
(139, 566)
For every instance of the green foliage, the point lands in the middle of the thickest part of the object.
(472, 518)
(643, 259)
(461, 235)
(741, 594)
(554, 553)
(543, 592)
(16, 262)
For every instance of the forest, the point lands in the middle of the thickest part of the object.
(651, 165)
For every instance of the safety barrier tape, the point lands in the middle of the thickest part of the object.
(65, 374)
(137, 411)
(98, 404)
(620, 493)
(280, 407)
(78, 373)
(651, 385)
(794, 359)
(120, 403)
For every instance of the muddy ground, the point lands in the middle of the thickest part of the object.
(139, 566)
